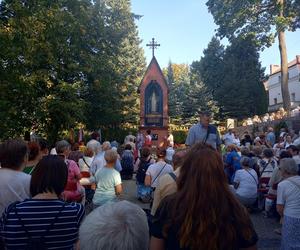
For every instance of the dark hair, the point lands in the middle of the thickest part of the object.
(293, 148)
(128, 147)
(12, 153)
(33, 150)
(268, 152)
(43, 144)
(75, 147)
(285, 154)
(145, 152)
(148, 131)
(161, 153)
(49, 175)
(95, 135)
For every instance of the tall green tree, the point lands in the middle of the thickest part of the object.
(112, 90)
(233, 77)
(242, 91)
(265, 19)
(187, 94)
(210, 67)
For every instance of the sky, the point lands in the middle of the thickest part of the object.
(184, 28)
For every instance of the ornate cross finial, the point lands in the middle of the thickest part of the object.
(153, 45)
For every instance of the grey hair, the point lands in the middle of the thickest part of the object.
(110, 156)
(245, 161)
(61, 146)
(94, 145)
(106, 146)
(115, 226)
(289, 166)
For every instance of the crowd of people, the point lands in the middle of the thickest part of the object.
(268, 117)
(199, 197)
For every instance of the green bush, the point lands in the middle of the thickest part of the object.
(179, 136)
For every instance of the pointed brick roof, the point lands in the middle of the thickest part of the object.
(154, 72)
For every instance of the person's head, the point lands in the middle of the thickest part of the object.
(294, 150)
(285, 154)
(178, 159)
(63, 148)
(161, 153)
(13, 154)
(288, 167)
(145, 153)
(33, 151)
(88, 152)
(148, 132)
(245, 151)
(119, 226)
(288, 138)
(95, 136)
(246, 162)
(75, 146)
(268, 153)
(203, 198)
(95, 146)
(106, 146)
(270, 129)
(231, 148)
(257, 150)
(49, 175)
(44, 150)
(205, 118)
(128, 147)
(110, 156)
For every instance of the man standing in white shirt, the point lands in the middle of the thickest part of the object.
(229, 138)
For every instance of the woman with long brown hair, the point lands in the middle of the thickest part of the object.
(203, 214)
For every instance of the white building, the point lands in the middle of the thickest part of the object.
(273, 85)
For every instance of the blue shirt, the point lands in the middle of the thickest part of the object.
(37, 216)
(233, 159)
(106, 179)
(271, 138)
(198, 133)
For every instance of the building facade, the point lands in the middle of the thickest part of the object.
(273, 85)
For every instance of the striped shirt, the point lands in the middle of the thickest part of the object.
(37, 216)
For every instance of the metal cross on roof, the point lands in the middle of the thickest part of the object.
(153, 45)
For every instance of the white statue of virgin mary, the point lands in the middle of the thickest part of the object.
(154, 103)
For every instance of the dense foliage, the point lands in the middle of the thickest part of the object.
(234, 77)
(263, 19)
(65, 62)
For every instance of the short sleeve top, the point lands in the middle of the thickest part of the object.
(288, 194)
(198, 133)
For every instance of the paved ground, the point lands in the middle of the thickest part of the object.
(264, 227)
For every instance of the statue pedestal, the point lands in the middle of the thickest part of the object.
(159, 135)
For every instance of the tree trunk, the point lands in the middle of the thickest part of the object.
(284, 65)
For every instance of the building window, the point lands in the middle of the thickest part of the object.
(288, 75)
(293, 97)
(275, 101)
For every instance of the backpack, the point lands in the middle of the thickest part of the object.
(141, 172)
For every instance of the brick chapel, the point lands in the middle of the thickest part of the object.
(153, 92)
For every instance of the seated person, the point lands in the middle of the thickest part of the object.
(14, 184)
(108, 180)
(245, 183)
(115, 226)
(44, 221)
(267, 164)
